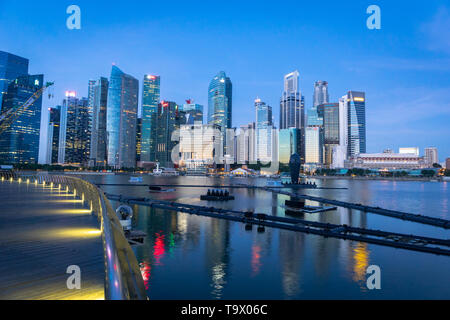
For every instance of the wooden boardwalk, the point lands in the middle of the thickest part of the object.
(43, 231)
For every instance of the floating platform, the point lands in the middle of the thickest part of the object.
(218, 198)
(344, 232)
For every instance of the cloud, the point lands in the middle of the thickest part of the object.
(437, 31)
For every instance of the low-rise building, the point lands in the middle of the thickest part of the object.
(387, 161)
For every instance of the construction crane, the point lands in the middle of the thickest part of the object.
(8, 117)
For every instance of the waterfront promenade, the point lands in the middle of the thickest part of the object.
(43, 231)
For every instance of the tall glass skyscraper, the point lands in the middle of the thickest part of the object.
(194, 112)
(75, 135)
(292, 109)
(121, 117)
(151, 94)
(98, 97)
(20, 142)
(220, 104)
(329, 112)
(321, 95)
(169, 119)
(288, 144)
(264, 127)
(53, 135)
(11, 67)
(356, 104)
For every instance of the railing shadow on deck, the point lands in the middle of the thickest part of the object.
(123, 278)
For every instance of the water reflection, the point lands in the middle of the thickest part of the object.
(217, 258)
(291, 250)
(360, 264)
(193, 257)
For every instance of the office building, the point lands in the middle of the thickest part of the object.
(329, 113)
(356, 104)
(151, 95)
(321, 95)
(431, 156)
(98, 100)
(74, 134)
(200, 145)
(246, 144)
(53, 134)
(292, 109)
(447, 163)
(121, 114)
(193, 111)
(289, 141)
(313, 145)
(20, 142)
(165, 129)
(220, 104)
(264, 128)
(11, 67)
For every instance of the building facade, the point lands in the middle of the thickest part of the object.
(431, 156)
(356, 104)
(264, 128)
(74, 136)
(20, 142)
(321, 95)
(194, 112)
(288, 144)
(292, 109)
(314, 145)
(98, 100)
(122, 109)
(11, 67)
(53, 134)
(200, 145)
(388, 161)
(165, 129)
(151, 96)
(329, 113)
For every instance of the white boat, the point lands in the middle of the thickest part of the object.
(136, 180)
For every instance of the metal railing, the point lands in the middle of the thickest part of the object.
(123, 278)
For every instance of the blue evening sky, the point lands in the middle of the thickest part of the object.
(404, 68)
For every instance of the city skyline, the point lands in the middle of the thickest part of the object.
(398, 78)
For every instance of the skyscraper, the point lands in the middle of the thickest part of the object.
(11, 67)
(53, 134)
(292, 109)
(264, 127)
(98, 97)
(20, 142)
(431, 156)
(329, 112)
(151, 93)
(288, 144)
(194, 112)
(121, 115)
(314, 145)
(320, 93)
(356, 104)
(169, 119)
(75, 135)
(220, 103)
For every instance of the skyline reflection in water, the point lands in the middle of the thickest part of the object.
(193, 257)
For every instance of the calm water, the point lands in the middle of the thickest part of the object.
(191, 257)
